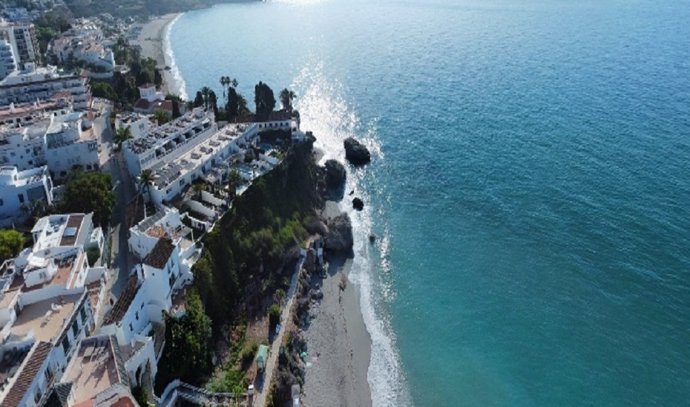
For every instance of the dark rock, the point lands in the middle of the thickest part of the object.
(356, 153)
(358, 204)
(339, 237)
(335, 174)
(315, 226)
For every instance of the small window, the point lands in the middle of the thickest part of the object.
(136, 315)
(142, 306)
(65, 344)
(131, 328)
(21, 198)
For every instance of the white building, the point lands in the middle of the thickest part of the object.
(36, 84)
(164, 143)
(139, 124)
(211, 152)
(21, 192)
(17, 115)
(83, 43)
(96, 376)
(166, 224)
(8, 62)
(57, 141)
(50, 322)
(22, 39)
(67, 145)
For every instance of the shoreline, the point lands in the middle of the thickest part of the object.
(338, 341)
(152, 40)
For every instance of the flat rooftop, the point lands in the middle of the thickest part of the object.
(94, 368)
(181, 129)
(45, 318)
(199, 155)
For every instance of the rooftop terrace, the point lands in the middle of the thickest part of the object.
(45, 319)
(95, 367)
(166, 137)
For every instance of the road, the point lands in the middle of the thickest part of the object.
(125, 191)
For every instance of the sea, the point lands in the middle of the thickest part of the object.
(529, 187)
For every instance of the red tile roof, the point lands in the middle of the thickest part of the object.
(27, 375)
(123, 302)
(160, 254)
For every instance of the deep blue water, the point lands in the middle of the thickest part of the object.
(531, 184)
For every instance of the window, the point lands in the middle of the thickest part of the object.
(82, 313)
(2, 202)
(142, 306)
(65, 344)
(136, 315)
(21, 198)
(131, 328)
(75, 329)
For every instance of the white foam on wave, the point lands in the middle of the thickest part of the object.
(324, 111)
(179, 86)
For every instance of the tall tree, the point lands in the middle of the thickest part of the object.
(286, 98)
(264, 100)
(206, 91)
(145, 181)
(224, 82)
(11, 243)
(199, 99)
(89, 192)
(231, 108)
(213, 102)
(187, 352)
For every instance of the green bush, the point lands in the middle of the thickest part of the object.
(93, 254)
(247, 353)
(273, 315)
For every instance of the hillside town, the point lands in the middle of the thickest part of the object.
(84, 292)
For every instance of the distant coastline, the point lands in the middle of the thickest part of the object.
(152, 40)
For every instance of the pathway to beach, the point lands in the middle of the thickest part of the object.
(275, 346)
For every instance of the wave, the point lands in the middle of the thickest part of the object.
(325, 112)
(178, 85)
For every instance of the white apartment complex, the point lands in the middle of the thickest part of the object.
(22, 39)
(58, 141)
(165, 143)
(34, 84)
(8, 62)
(83, 42)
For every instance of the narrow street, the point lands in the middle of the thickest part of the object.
(124, 192)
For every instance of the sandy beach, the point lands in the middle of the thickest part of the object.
(338, 342)
(152, 42)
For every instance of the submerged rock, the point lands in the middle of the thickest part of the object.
(339, 237)
(356, 153)
(358, 204)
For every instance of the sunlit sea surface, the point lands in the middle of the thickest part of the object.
(530, 185)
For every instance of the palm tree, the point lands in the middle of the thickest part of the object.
(146, 179)
(224, 81)
(286, 98)
(205, 91)
(161, 117)
(121, 135)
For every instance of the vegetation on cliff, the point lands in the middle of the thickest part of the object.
(245, 250)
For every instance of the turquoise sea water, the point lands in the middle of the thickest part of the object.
(530, 185)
